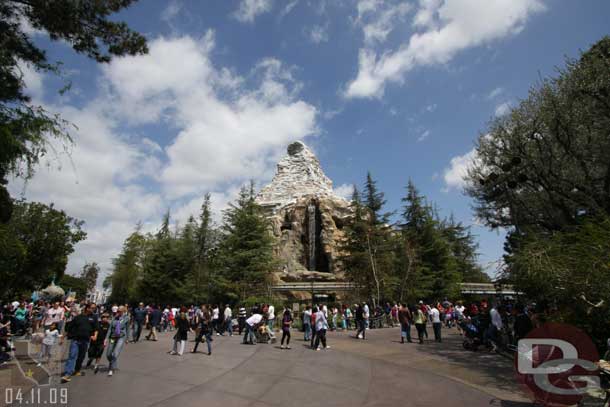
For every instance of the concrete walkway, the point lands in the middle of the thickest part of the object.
(377, 372)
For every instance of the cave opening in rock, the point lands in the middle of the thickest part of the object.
(315, 257)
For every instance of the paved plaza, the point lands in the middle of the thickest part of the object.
(377, 372)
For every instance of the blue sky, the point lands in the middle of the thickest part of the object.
(401, 88)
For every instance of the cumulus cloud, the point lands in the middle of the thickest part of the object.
(248, 10)
(217, 130)
(457, 170)
(444, 28)
(288, 8)
(378, 18)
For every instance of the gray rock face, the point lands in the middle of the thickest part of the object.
(306, 218)
(298, 174)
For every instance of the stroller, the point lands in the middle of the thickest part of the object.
(472, 338)
(264, 335)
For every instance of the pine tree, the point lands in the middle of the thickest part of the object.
(128, 268)
(246, 248)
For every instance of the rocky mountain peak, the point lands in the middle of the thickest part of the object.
(298, 174)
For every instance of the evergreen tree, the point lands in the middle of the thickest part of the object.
(246, 257)
(128, 268)
(163, 275)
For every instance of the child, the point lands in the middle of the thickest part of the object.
(96, 347)
(51, 335)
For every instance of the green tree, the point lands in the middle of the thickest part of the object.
(163, 276)
(78, 285)
(246, 248)
(128, 268)
(26, 129)
(354, 248)
(35, 246)
(89, 273)
(546, 164)
(464, 249)
(543, 173)
(433, 269)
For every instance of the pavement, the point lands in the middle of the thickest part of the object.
(379, 371)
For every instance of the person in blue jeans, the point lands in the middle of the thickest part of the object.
(81, 330)
(205, 329)
(307, 323)
(405, 317)
(116, 337)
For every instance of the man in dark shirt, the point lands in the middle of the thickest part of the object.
(139, 318)
(404, 317)
(81, 330)
(154, 320)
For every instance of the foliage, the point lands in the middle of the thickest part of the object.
(422, 257)
(89, 274)
(34, 247)
(26, 130)
(546, 165)
(571, 272)
(246, 247)
(543, 173)
(76, 284)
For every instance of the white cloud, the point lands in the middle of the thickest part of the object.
(32, 79)
(288, 8)
(250, 9)
(431, 108)
(495, 93)
(458, 169)
(344, 191)
(502, 109)
(221, 130)
(318, 34)
(378, 18)
(172, 10)
(423, 136)
(448, 28)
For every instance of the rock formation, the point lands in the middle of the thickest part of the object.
(307, 218)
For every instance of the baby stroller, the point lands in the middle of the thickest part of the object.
(264, 335)
(472, 339)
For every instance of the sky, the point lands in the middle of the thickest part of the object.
(400, 88)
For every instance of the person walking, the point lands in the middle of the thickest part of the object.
(241, 319)
(313, 326)
(205, 329)
(96, 347)
(419, 318)
(215, 319)
(404, 318)
(154, 321)
(139, 320)
(286, 324)
(228, 314)
(360, 322)
(270, 317)
(80, 331)
(182, 329)
(116, 339)
(435, 317)
(307, 323)
(321, 328)
(51, 338)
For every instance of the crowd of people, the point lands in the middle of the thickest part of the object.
(94, 330)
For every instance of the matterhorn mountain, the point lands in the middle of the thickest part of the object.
(307, 218)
